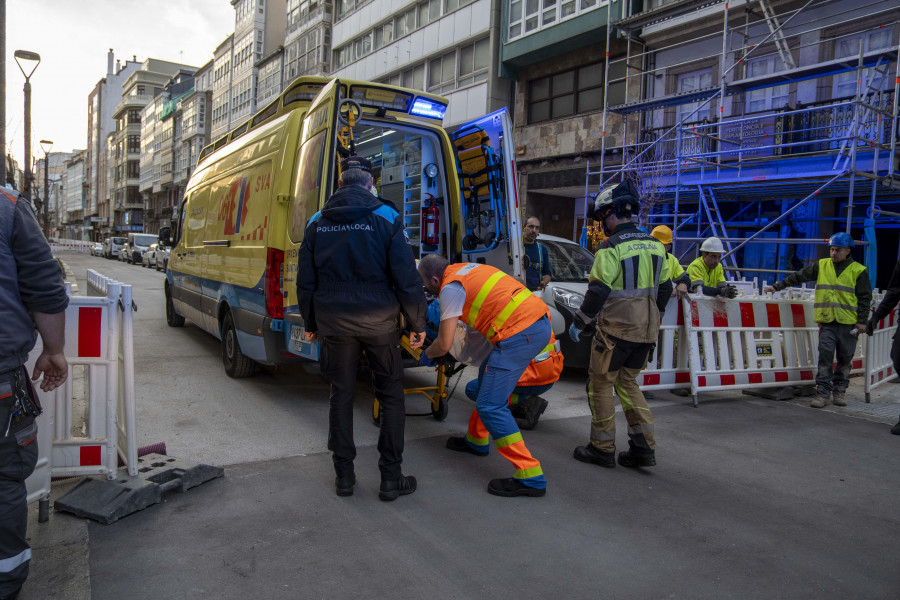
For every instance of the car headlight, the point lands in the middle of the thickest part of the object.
(568, 297)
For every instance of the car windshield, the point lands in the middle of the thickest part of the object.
(144, 239)
(568, 260)
(119, 240)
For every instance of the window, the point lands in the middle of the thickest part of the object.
(565, 94)
(429, 11)
(690, 82)
(413, 78)
(384, 35)
(473, 62)
(305, 200)
(134, 116)
(451, 5)
(442, 73)
(529, 16)
(405, 24)
(134, 143)
(134, 169)
(848, 47)
(770, 98)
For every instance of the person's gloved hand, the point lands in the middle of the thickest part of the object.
(425, 361)
(729, 291)
(870, 326)
(574, 332)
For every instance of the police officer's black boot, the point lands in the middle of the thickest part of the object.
(589, 454)
(896, 429)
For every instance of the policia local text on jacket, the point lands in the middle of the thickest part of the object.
(628, 290)
(843, 299)
(32, 294)
(356, 273)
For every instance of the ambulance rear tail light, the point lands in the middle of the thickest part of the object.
(274, 295)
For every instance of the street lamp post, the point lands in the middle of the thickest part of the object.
(25, 55)
(46, 146)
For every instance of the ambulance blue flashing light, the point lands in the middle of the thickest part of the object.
(423, 107)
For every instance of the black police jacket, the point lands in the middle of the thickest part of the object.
(356, 270)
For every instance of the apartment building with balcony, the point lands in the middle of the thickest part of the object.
(307, 42)
(125, 151)
(195, 107)
(102, 102)
(221, 88)
(52, 194)
(74, 198)
(554, 51)
(441, 46)
(270, 77)
(162, 125)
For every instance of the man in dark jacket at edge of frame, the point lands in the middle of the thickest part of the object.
(356, 273)
(32, 295)
(891, 298)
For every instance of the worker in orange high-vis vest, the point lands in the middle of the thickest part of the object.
(525, 403)
(517, 324)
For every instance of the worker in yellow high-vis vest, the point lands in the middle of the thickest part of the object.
(517, 324)
(679, 276)
(628, 290)
(842, 305)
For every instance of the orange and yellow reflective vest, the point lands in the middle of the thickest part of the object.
(497, 305)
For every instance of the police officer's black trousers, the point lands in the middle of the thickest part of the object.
(340, 360)
(17, 459)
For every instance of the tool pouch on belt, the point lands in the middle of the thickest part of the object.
(602, 341)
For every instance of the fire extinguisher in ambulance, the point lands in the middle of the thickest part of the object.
(431, 214)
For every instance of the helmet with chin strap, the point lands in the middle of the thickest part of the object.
(622, 200)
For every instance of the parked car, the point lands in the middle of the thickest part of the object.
(162, 258)
(124, 253)
(112, 245)
(149, 257)
(570, 265)
(97, 249)
(138, 243)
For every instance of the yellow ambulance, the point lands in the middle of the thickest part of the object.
(232, 267)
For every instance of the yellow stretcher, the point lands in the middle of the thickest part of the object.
(438, 394)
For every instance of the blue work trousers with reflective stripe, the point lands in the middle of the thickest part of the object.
(498, 376)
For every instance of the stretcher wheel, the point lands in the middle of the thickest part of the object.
(441, 413)
(470, 242)
(489, 238)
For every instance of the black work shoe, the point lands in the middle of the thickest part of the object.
(589, 454)
(391, 490)
(896, 429)
(630, 458)
(12, 596)
(528, 411)
(461, 445)
(513, 487)
(343, 486)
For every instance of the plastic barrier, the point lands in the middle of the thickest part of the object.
(741, 343)
(669, 367)
(879, 366)
(78, 246)
(100, 336)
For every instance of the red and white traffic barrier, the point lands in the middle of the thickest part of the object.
(669, 367)
(99, 336)
(750, 342)
(879, 365)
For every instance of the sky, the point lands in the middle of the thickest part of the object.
(73, 38)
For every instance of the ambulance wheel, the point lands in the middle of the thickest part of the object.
(441, 413)
(173, 319)
(236, 364)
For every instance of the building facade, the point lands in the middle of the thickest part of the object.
(74, 199)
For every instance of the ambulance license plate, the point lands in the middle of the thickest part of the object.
(298, 333)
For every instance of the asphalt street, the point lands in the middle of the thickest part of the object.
(751, 498)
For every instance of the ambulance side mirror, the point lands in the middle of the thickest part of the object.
(165, 236)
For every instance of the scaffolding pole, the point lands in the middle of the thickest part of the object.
(855, 126)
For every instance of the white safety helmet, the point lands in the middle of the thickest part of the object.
(712, 244)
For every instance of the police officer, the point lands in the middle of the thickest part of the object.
(32, 295)
(356, 273)
(891, 298)
(706, 272)
(842, 303)
(628, 289)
